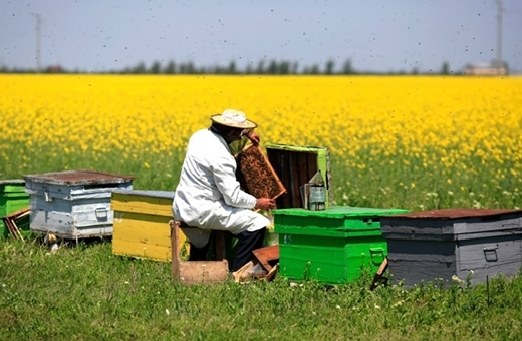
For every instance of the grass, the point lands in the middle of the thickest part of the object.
(84, 292)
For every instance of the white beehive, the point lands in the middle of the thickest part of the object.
(73, 204)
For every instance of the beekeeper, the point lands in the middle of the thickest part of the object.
(208, 195)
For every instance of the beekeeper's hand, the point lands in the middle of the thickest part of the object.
(265, 204)
(252, 136)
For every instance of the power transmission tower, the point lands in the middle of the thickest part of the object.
(38, 42)
(500, 9)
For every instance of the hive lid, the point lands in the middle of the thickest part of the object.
(341, 212)
(454, 213)
(12, 182)
(79, 177)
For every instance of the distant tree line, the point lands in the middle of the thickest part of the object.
(272, 67)
(263, 67)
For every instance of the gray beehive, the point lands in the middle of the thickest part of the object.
(467, 243)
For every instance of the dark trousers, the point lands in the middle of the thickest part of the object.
(199, 254)
(248, 242)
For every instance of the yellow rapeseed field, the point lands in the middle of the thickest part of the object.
(410, 141)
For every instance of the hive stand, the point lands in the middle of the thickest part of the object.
(197, 272)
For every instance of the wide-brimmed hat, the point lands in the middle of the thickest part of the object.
(233, 118)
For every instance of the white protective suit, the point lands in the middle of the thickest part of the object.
(208, 195)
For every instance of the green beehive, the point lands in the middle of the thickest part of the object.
(12, 198)
(330, 246)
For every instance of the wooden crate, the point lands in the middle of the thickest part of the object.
(141, 224)
(295, 166)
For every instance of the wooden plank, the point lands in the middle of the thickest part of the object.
(133, 227)
(271, 273)
(266, 255)
(199, 272)
(19, 213)
(140, 250)
(141, 204)
(202, 272)
(141, 235)
(175, 256)
(219, 237)
(11, 219)
(13, 229)
(378, 275)
(142, 226)
(136, 216)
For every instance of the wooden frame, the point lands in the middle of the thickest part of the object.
(10, 222)
(256, 175)
(196, 272)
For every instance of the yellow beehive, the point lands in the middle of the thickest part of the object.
(141, 224)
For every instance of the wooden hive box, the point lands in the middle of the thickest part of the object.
(330, 246)
(75, 203)
(141, 224)
(470, 244)
(295, 166)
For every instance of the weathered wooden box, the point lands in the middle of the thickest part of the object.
(295, 166)
(73, 204)
(453, 245)
(141, 224)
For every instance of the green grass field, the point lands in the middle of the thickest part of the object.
(86, 293)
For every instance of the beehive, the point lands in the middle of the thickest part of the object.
(471, 244)
(73, 204)
(12, 199)
(141, 224)
(330, 246)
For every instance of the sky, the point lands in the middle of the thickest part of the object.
(374, 35)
